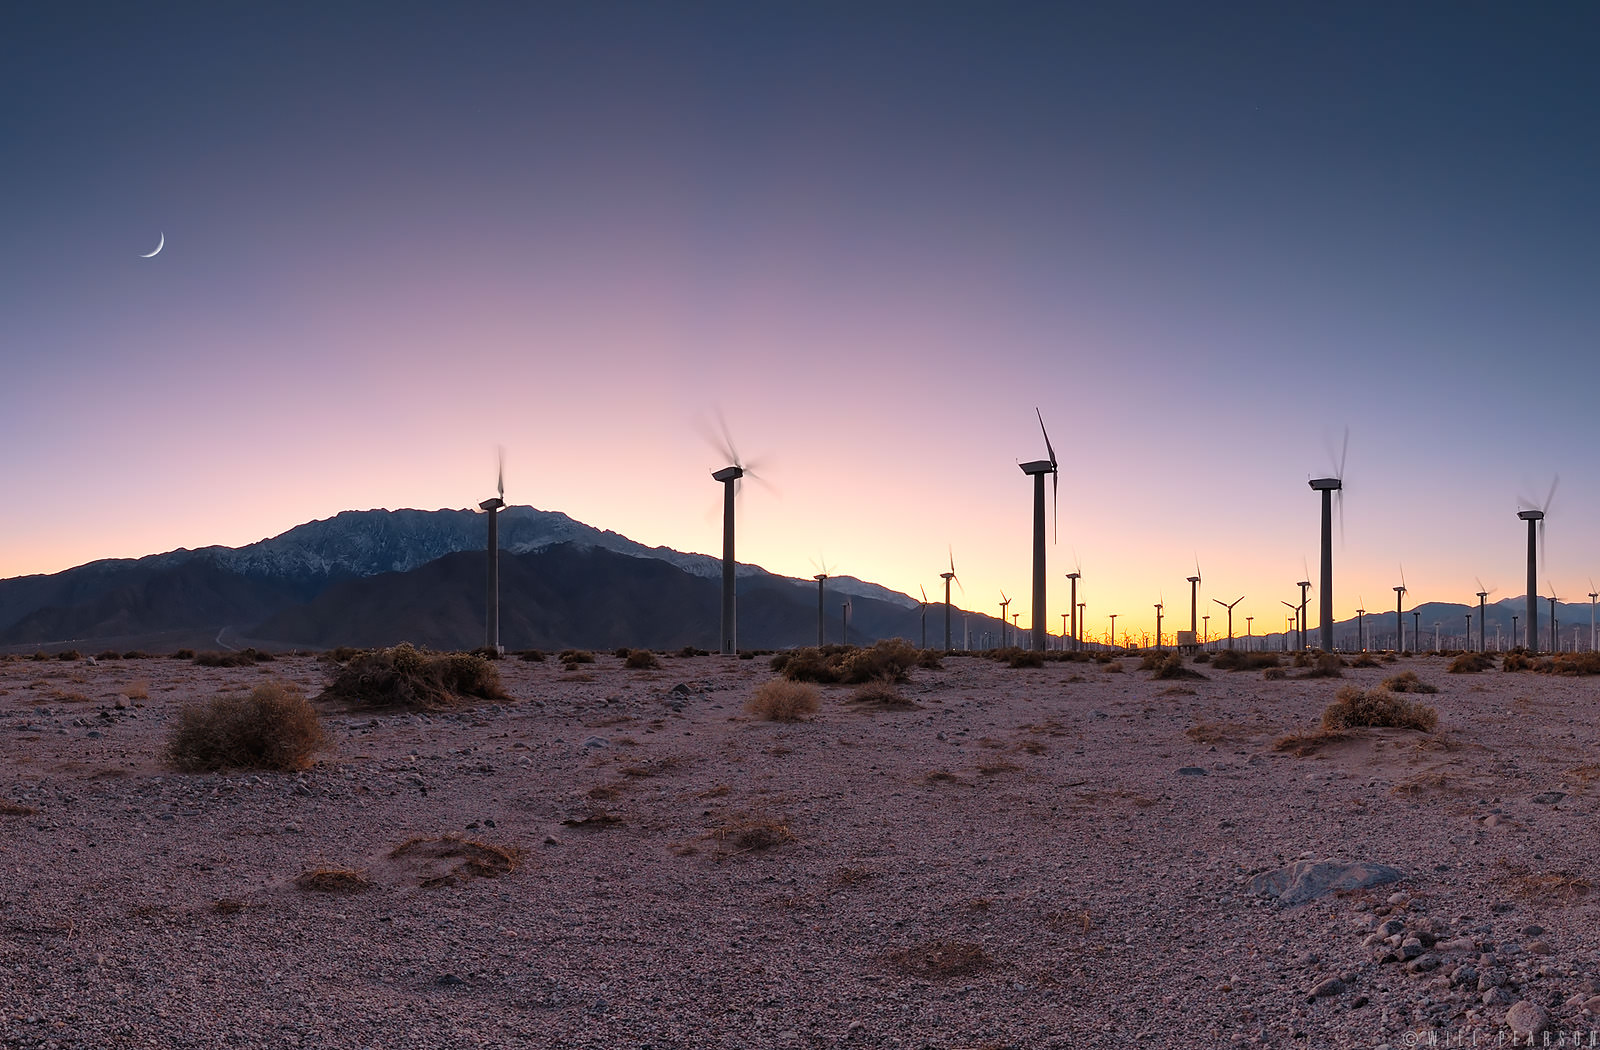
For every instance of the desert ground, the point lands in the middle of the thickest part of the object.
(1038, 857)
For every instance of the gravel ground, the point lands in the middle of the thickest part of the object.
(1053, 857)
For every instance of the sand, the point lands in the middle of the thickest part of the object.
(1042, 857)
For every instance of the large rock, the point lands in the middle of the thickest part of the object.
(1528, 1020)
(1306, 880)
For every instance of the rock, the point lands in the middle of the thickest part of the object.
(1425, 963)
(1528, 1020)
(1456, 944)
(1548, 798)
(1328, 988)
(596, 742)
(449, 980)
(1496, 997)
(1306, 880)
(1410, 948)
(1464, 977)
(1592, 1004)
(1541, 948)
(1492, 977)
(1534, 930)
(1392, 927)
(1191, 771)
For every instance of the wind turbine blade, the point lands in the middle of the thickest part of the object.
(1343, 452)
(1055, 506)
(1047, 446)
(1338, 498)
(924, 591)
(1547, 500)
(1543, 557)
(500, 460)
(952, 561)
(727, 440)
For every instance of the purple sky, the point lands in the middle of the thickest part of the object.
(1202, 241)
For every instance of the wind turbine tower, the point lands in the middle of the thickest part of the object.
(1327, 486)
(1077, 643)
(1159, 606)
(1483, 597)
(1304, 586)
(822, 580)
(1534, 516)
(1194, 596)
(947, 577)
(729, 476)
(493, 507)
(1004, 601)
(1361, 645)
(1593, 595)
(1399, 616)
(1037, 469)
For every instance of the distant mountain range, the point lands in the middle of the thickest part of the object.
(377, 577)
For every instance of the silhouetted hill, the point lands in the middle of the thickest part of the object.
(569, 596)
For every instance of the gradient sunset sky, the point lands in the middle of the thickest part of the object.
(1203, 239)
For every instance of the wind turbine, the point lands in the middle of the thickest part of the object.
(1249, 633)
(729, 476)
(1004, 601)
(1229, 606)
(1159, 606)
(844, 618)
(1289, 625)
(1304, 585)
(1593, 595)
(1077, 642)
(1532, 513)
(1483, 596)
(1328, 486)
(822, 578)
(1361, 645)
(493, 507)
(1555, 639)
(1037, 469)
(1399, 618)
(947, 577)
(1194, 594)
(1113, 630)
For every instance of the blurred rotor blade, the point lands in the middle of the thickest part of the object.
(1048, 448)
(1548, 499)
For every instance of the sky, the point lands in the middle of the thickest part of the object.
(1204, 241)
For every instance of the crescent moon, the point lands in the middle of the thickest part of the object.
(157, 252)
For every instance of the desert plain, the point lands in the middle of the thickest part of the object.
(1072, 855)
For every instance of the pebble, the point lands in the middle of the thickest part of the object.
(1330, 987)
(1541, 948)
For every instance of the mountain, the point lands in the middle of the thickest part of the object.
(192, 595)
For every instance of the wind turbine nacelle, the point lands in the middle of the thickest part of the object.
(1332, 484)
(492, 504)
(1531, 515)
(728, 474)
(1038, 466)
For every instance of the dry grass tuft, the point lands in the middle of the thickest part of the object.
(942, 959)
(1239, 660)
(749, 836)
(881, 695)
(1364, 660)
(409, 678)
(1408, 682)
(272, 728)
(1354, 708)
(16, 809)
(1471, 663)
(1170, 667)
(1572, 664)
(1546, 887)
(1302, 745)
(331, 880)
(1518, 660)
(137, 690)
(224, 660)
(1218, 733)
(474, 858)
(1274, 674)
(1322, 665)
(778, 700)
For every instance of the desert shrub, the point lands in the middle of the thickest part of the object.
(640, 660)
(571, 657)
(136, 654)
(930, 660)
(781, 700)
(183, 654)
(891, 659)
(1239, 660)
(1301, 658)
(1274, 674)
(109, 654)
(1324, 665)
(1354, 707)
(531, 656)
(485, 652)
(1202, 658)
(1172, 667)
(1113, 667)
(272, 728)
(1518, 660)
(881, 693)
(1571, 664)
(1152, 661)
(690, 650)
(621, 652)
(806, 665)
(224, 660)
(1408, 682)
(1025, 658)
(333, 880)
(411, 678)
(1471, 663)
(342, 654)
(69, 654)
(260, 656)
(1364, 660)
